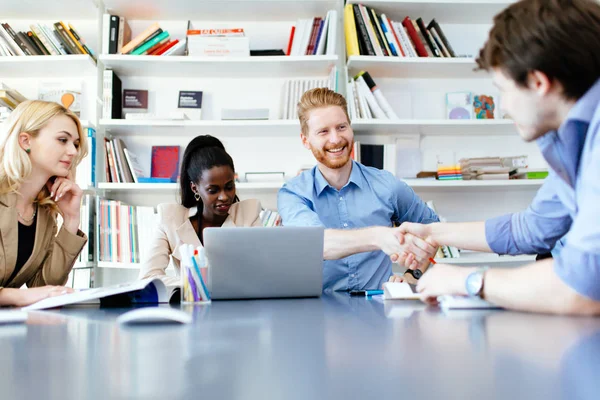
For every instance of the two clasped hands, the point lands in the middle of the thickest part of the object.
(417, 247)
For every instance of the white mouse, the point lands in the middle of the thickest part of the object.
(150, 315)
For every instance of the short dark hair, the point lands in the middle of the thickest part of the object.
(560, 38)
(202, 153)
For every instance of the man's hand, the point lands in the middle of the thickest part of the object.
(408, 278)
(441, 280)
(418, 234)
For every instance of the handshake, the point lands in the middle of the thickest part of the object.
(409, 245)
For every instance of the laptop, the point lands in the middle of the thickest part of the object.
(257, 262)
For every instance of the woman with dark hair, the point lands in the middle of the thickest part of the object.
(208, 199)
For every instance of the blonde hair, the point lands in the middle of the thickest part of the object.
(15, 166)
(319, 98)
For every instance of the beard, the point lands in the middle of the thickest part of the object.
(323, 157)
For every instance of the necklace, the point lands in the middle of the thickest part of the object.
(28, 220)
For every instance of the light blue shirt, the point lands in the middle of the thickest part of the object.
(567, 206)
(370, 198)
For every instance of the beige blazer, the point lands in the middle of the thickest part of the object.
(52, 257)
(174, 229)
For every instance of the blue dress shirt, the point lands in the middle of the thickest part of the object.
(566, 210)
(371, 197)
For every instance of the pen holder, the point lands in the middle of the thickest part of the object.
(194, 289)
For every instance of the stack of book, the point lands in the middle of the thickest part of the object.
(270, 218)
(9, 100)
(122, 165)
(366, 100)
(293, 90)
(449, 173)
(313, 36)
(371, 34)
(218, 42)
(491, 168)
(153, 40)
(125, 232)
(42, 40)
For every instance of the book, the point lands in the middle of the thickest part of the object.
(146, 291)
(139, 39)
(190, 102)
(111, 96)
(135, 101)
(165, 162)
(135, 168)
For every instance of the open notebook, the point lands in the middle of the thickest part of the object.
(146, 291)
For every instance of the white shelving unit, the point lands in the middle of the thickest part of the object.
(432, 68)
(469, 259)
(227, 67)
(441, 127)
(174, 187)
(274, 128)
(116, 265)
(446, 11)
(47, 66)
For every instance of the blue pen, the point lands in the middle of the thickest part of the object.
(365, 292)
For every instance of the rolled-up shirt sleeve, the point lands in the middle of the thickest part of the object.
(535, 230)
(578, 264)
(296, 210)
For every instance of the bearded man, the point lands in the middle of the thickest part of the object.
(359, 206)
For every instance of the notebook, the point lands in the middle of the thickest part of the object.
(464, 303)
(399, 291)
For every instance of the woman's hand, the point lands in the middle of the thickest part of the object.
(25, 297)
(67, 196)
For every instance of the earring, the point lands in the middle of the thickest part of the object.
(27, 151)
(197, 196)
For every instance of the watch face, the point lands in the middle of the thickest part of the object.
(416, 273)
(474, 283)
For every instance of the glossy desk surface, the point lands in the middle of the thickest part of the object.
(335, 347)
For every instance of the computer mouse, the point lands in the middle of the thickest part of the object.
(154, 315)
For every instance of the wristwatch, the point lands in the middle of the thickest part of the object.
(416, 273)
(474, 282)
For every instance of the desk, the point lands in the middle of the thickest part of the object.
(336, 347)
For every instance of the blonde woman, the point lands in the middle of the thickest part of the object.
(39, 149)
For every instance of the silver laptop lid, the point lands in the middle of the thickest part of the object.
(246, 263)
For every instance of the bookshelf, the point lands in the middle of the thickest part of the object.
(149, 128)
(224, 67)
(447, 11)
(441, 127)
(47, 66)
(469, 258)
(432, 68)
(174, 187)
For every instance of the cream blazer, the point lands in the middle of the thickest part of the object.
(52, 257)
(174, 229)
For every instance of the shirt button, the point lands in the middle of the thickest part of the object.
(346, 225)
(351, 275)
(341, 198)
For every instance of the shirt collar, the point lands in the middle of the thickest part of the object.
(585, 108)
(356, 178)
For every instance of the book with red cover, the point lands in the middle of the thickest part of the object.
(165, 162)
(313, 35)
(164, 49)
(289, 48)
(159, 47)
(414, 36)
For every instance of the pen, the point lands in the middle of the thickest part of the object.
(432, 260)
(365, 292)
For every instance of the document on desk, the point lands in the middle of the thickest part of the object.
(399, 291)
(465, 303)
(146, 291)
